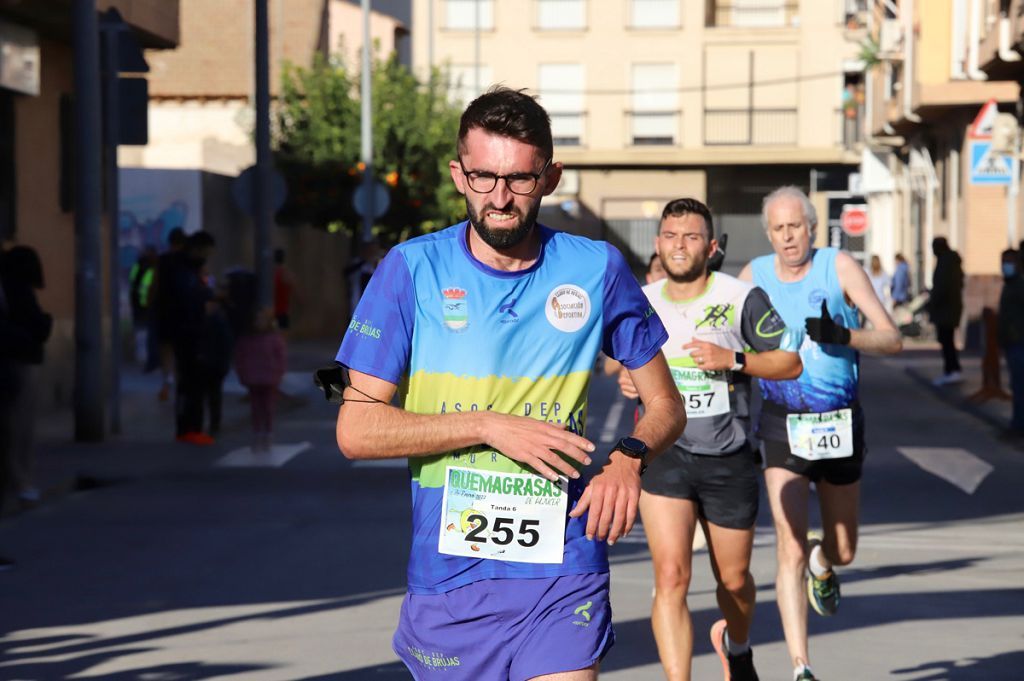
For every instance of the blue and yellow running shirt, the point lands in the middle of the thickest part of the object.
(457, 335)
(830, 375)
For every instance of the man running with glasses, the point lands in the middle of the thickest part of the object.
(492, 327)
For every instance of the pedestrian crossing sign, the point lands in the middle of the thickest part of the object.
(988, 167)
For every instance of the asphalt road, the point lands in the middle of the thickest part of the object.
(186, 569)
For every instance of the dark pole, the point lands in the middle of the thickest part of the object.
(88, 305)
(112, 125)
(261, 191)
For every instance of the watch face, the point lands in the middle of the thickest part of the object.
(634, 445)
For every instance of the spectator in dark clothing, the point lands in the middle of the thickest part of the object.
(171, 268)
(215, 358)
(946, 306)
(1011, 332)
(22, 276)
(188, 315)
(14, 340)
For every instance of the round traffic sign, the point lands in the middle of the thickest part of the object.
(381, 199)
(854, 220)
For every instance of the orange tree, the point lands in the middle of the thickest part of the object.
(318, 147)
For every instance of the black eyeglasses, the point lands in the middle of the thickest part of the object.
(517, 183)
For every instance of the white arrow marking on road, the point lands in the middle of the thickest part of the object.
(952, 464)
(278, 456)
(611, 424)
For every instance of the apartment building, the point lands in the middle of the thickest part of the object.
(927, 171)
(36, 146)
(655, 99)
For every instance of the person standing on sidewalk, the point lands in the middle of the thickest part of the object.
(492, 327)
(1011, 333)
(812, 429)
(711, 473)
(22, 276)
(260, 362)
(900, 289)
(946, 306)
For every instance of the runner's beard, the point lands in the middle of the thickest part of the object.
(506, 237)
(696, 270)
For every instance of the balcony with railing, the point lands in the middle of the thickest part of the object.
(750, 127)
(849, 130)
(653, 128)
(752, 14)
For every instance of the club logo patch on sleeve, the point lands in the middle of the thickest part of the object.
(567, 308)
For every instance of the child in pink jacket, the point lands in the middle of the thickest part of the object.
(260, 362)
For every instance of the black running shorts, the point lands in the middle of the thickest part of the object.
(845, 471)
(725, 487)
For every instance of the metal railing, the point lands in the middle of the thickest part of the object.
(653, 128)
(758, 127)
(765, 14)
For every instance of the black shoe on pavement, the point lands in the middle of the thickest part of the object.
(736, 667)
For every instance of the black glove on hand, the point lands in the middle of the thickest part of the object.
(824, 330)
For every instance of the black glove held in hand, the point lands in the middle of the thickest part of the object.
(824, 330)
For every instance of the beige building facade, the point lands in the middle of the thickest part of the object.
(926, 170)
(651, 100)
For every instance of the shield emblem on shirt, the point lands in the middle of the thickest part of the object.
(456, 309)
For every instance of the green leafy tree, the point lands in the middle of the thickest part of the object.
(318, 147)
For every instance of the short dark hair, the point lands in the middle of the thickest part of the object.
(508, 113)
(677, 208)
(176, 237)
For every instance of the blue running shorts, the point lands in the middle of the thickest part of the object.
(514, 629)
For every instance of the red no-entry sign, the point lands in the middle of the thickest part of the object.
(854, 220)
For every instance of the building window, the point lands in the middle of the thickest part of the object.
(655, 102)
(461, 15)
(561, 93)
(561, 15)
(753, 13)
(654, 14)
(463, 82)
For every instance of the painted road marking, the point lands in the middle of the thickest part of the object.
(954, 465)
(279, 455)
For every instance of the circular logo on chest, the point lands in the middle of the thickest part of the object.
(567, 307)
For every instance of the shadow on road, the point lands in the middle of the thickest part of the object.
(995, 667)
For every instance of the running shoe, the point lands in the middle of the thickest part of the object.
(735, 667)
(822, 593)
(807, 675)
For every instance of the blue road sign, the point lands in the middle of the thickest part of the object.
(988, 167)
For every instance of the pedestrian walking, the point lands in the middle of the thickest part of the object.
(881, 282)
(945, 307)
(22, 276)
(260, 362)
(722, 331)
(812, 428)
(1011, 333)
(493, 326)
(900, 289)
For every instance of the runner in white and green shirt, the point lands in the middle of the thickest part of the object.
(721, 332)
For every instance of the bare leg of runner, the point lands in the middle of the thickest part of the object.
(669, 524)
(730, 560)
(788, 494)
(840, 511)
(588, 674)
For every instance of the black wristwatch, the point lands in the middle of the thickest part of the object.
(634, 449)
(739, 362)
